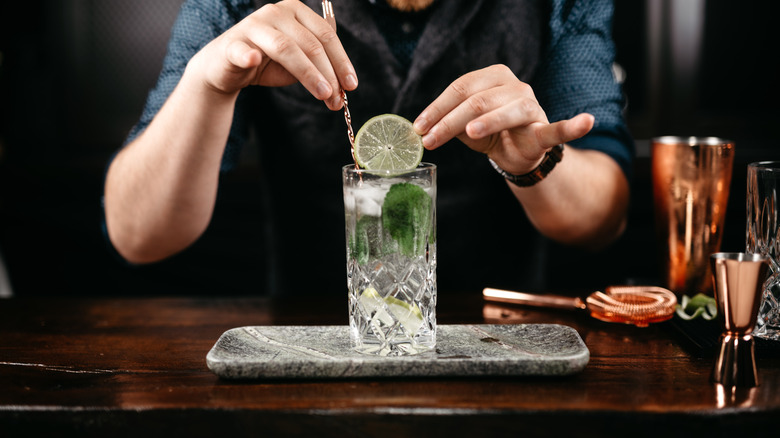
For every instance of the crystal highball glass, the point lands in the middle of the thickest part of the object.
(391, 259)
(761, 237)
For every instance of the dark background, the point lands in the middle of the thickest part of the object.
(74, 75)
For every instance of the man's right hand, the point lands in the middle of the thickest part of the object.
(278, 45)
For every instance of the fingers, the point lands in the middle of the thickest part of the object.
(527, 114)
(468, 99)
(480, 106)
(327, 36)
(437, 123)
(325, 51)
(296, 50)
(509, 114)
(484, 114)
(289, 41)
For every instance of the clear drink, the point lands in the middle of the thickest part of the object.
(391, 259)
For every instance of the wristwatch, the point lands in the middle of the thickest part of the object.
(551, 158)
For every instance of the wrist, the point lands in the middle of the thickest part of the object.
(540, 172)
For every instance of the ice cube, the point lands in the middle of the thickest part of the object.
(369, 200)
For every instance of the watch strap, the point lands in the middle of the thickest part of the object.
(551, 158)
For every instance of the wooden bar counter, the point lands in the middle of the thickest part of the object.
(137, 367)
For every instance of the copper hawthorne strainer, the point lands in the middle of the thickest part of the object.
(638, 305)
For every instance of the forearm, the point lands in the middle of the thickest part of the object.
(582, 202)
(161, 188)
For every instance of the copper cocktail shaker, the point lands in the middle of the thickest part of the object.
(691, 178)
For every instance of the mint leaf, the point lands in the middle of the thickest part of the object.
(700, 305)
(366, 235)
(370, 240)
(406, 216)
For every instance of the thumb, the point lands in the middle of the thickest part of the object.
(565, 131)
(243, 56)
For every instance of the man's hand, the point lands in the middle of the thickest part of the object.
(493, 112)
(278, 45)
(583, 202)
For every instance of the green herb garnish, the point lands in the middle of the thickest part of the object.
(700, 305)
(406, 215)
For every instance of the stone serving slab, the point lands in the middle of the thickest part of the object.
(324, 352)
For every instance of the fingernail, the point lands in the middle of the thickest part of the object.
(351, 81)
(421, 124)
(477, 128)
(429, 140)
(323, 89)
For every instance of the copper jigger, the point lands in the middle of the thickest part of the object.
(691, 179)
(738, 280)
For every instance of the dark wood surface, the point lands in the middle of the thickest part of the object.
(128, 367)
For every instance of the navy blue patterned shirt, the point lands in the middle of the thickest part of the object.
(563, 48)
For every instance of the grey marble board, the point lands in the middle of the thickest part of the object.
(324, 352)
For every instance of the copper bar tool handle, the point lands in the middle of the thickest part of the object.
(330, 16)
(547, 301)
(327, 13)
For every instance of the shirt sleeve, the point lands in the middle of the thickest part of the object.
(198, 22)
(575, 76)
